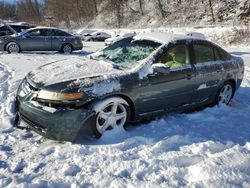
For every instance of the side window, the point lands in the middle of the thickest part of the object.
(224, 55)
(203, 53)
(176, 56)
(217, 55)
(38, 33)
(59, 33)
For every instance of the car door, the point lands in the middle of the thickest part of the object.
(36, 40)
(209, 70)
(167, 90)
(59, 38)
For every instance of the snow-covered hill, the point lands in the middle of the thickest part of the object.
(208, 148)
(170, 13)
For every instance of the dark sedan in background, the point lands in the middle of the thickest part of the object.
(41, 39)
(97, 36)
(136, 78)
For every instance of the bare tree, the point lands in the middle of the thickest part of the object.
(211, 10)
(141, 9)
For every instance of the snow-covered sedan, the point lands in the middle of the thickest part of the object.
(136, 78)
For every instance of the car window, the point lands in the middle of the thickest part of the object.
(59, 33)
(4, 28)
(203, 53)
(223, 54)
(38, 33)
(19, 28)
(176, 56)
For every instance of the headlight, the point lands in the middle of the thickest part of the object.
(53, 96)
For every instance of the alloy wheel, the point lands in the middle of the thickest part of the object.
(67, 49)
(13, 48)
(112, 116)
(225, 94)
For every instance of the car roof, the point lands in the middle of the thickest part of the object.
(163, 38)
(39, 27)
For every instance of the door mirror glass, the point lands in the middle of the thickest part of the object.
(161, 68)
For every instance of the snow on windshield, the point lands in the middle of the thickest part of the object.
(128, 52)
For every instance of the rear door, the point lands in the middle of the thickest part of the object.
(209, 70)
(36, 40)
(59, 38)
(162, 92)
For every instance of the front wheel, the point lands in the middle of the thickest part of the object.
(111, 114)
(67, 49)
(225, 94)
(13, 47)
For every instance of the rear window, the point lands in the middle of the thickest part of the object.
(19, 29)
(4, 28)
(224, 55)
(203, 53)
(59, 33)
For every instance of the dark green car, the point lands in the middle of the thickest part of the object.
(136, 78)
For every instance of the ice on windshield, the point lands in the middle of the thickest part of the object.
(128, 52)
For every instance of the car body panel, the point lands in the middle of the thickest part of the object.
(148, 92)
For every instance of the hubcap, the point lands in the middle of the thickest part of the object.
(225, 94)
(112, 116)
(67, 49)
(13, 48)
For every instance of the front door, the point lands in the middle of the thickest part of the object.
(161, 91)
(36, 40)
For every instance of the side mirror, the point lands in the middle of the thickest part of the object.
(161, 68)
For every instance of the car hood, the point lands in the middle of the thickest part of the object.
(70, 70)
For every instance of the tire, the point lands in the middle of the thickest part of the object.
(225, 93)
(111, 113)
(67, 49)
(13, 47)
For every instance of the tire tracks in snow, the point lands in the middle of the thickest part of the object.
(7, 94)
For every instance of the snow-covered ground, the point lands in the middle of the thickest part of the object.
(208, 148)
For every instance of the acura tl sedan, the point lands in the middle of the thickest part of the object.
(137, 78)
(41, 39)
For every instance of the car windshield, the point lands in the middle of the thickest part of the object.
(127, 52)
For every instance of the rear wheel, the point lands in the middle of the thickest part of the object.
(12, 47)
(67, 49)
(111, 114)
(225, 94)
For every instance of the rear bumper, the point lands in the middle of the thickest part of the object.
(63, 124)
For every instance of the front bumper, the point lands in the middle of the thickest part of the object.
(63, 124)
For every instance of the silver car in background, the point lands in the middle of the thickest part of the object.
(41, 39)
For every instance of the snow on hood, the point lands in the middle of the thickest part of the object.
(70, 69)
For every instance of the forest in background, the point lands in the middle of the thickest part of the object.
(127, 13)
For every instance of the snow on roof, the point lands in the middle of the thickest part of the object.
(162, 37)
